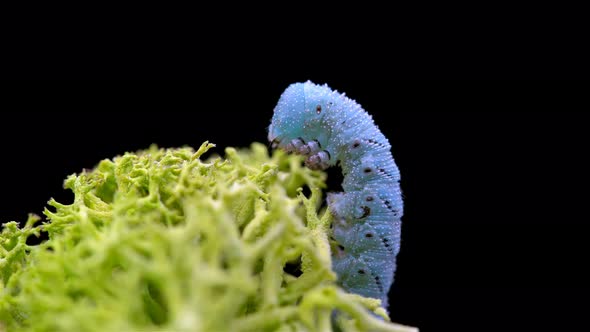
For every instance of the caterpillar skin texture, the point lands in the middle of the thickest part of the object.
(329, 128)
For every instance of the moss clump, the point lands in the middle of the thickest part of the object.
(160, 240)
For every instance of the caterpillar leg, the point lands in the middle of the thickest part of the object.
(318, 160)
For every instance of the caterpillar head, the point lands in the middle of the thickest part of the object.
(300, 114)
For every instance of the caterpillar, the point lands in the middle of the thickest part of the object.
(329, 128)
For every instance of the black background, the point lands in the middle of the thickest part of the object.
(492, 173)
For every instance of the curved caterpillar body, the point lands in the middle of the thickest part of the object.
(330, 128)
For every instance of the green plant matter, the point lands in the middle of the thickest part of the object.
(160, 240)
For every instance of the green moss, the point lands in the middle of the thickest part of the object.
(159, 240)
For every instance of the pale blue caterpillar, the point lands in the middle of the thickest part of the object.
(329, 128)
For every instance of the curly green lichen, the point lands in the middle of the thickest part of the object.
(160, 240)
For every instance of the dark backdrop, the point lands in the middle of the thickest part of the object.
(492, 174)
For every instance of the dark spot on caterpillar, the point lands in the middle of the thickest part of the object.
(318, 142)
(369, 198)
(386, 244)
(356, 144)
(390, 208)
(301, 139)
(383, 171)
(368, 235)
(367, 170)
(328, 153)
(372, 141)
(388, 204)
(318, 109)
(378, 282)
(361, 271)
(366, 211)
(341, 247)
